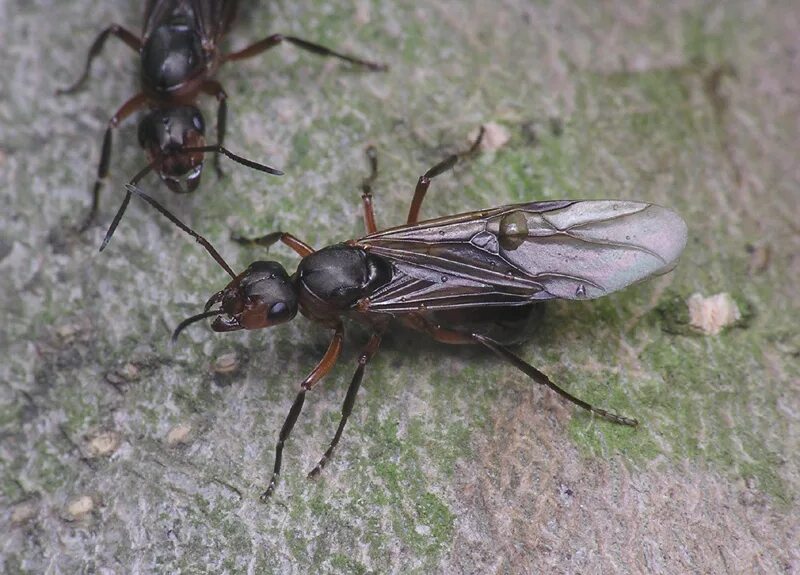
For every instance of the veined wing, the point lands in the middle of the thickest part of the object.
(156, 12)
(523, 253)
(212, 18)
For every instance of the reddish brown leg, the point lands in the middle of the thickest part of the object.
(302, 248)
(366, 191)
(97, 46)
(349, 399)
(275, 39)
(214, 88)
(537, 376)
(425, 180)
(126, 110)
(323, 367)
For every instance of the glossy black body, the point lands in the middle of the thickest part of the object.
(340, 275)
(179, 55)
(472, 278)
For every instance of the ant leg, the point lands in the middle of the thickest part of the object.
(366, 191)
(214, 88)
(349, 400)
(123, 34)
(425, 179)
(126, 110)
(323, 367)
(319, 50)
(537, 376)
(132, 189)
(299, 246)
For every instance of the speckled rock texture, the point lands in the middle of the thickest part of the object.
(121, 454)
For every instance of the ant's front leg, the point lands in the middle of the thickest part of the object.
(321, 370)
(126, 110)
(299, 246)
(349, 399)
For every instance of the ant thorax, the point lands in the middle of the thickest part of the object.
(340, 275)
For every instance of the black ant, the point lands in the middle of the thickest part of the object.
(180, 55)
(471, 278)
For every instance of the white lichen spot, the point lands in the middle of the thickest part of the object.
(179, 434)
(423, 530)
(80, 507)
(495, 137)
(226, 363)
(103, 444)
(709, 315)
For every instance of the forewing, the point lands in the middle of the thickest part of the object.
(214, 17)
(524, 253)
(155, 12)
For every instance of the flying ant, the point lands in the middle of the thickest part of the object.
(179, 56)
(471, 278)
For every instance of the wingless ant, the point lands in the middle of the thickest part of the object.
(179, 56)
(471, 278)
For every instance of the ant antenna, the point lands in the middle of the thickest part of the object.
(132, 189)
(190, 320)
(124, 206)
(238, 159)
(212, 148)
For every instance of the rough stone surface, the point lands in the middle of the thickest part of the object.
(452, 462)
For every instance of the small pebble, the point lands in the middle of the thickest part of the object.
(179, 434)
(226, 363)
(80, 507)
(22, 512)
(103, 444)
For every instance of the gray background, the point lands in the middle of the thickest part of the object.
(120, 454)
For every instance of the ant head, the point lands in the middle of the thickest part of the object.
(164, 133)
(261, 296)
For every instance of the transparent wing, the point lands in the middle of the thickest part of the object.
(524, 253)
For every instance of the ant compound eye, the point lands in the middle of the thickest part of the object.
(279, 311)
(197, 122)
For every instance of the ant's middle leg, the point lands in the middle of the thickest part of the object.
(126, 110)
(314, 48)
(424, 181)
(123, 34)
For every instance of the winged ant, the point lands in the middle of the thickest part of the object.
(470, 278)
(179, 57)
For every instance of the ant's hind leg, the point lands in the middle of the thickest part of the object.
(276, 39)
(424, 181)
(349, 400)
(97, 46)
(537, 376)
